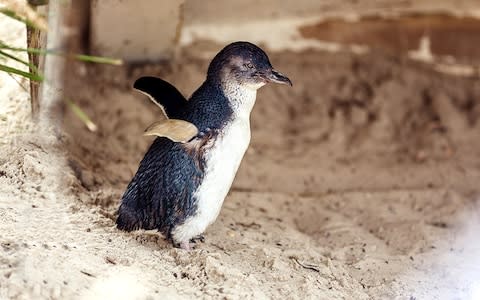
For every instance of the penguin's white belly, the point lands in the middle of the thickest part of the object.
(221, 164)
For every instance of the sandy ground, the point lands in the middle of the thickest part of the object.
(361, 182)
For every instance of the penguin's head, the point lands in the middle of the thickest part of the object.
(245, 64)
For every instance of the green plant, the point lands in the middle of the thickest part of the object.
(35, 75)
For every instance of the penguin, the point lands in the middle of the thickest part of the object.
(185, 175)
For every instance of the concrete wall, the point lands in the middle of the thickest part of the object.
(153, 29)
(234, 11)
(135, 30)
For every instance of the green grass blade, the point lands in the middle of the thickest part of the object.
(99, 59)
(81, 57)
(39, 23)
(81, 115)
(31, 76)
(31, 66)
(28, 50)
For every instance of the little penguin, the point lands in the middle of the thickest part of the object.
(185, 175)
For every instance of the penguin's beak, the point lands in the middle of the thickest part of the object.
(277, 77)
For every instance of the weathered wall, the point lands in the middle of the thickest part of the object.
(233, 11)
(151, 30)
(135, 30)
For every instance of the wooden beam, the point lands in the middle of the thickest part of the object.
(36, 38)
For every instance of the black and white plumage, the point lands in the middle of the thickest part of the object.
(179, 188)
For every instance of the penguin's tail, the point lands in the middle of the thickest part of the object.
(128, 219)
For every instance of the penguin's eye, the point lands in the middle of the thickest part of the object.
(249, 65)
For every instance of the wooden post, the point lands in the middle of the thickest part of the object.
(36, 39)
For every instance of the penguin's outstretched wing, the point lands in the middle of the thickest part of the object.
(163, 94)
(176, 130)
(172, 102)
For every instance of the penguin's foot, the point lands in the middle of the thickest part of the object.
(199, 238)
(185, 245)
(188, 245)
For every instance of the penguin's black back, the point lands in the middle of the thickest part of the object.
(208, 108)
(160, 194)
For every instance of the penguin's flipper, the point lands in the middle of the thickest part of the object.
(179, 131)
(162, 93)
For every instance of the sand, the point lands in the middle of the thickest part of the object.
(361, 182)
